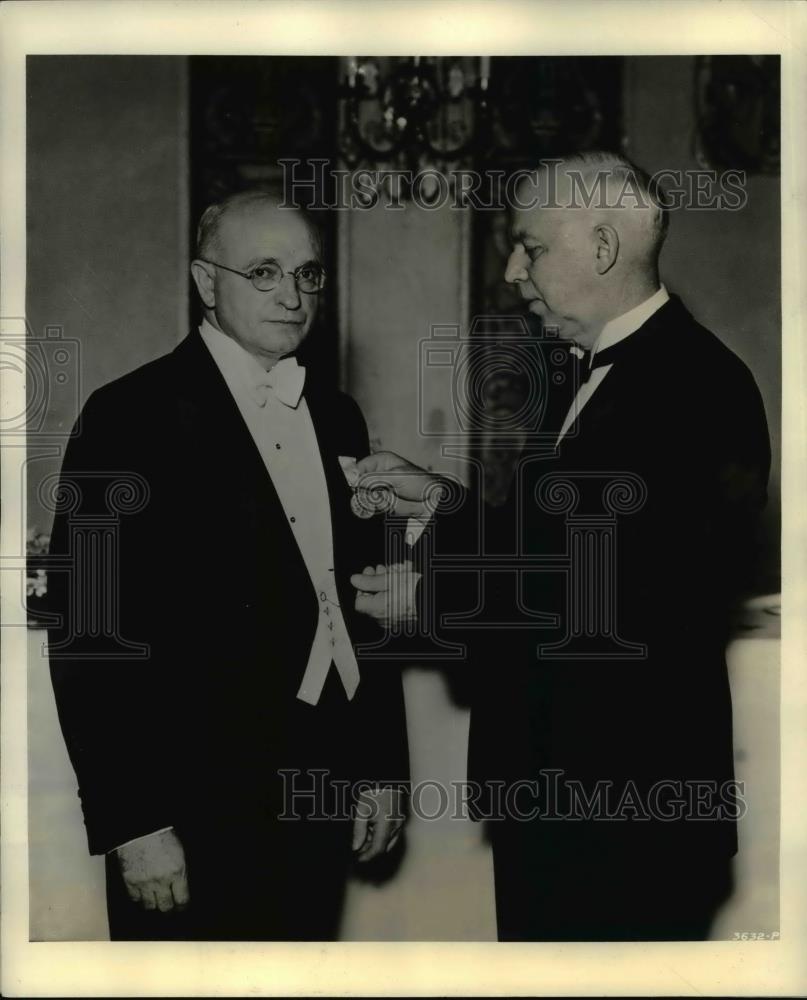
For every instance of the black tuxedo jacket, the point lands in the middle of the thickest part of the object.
(204, 571)
(681, 414)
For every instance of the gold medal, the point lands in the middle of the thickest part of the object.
(360, 505)
(378, 500)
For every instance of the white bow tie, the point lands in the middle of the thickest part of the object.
(286, 380)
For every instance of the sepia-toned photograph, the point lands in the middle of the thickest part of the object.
(400, 544)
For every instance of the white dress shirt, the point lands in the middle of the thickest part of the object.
(614, 330)
(284, 435)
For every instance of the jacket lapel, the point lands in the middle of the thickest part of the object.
(623, 385)
(214, 426)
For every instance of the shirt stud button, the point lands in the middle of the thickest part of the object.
(293, 520)
(277, 446)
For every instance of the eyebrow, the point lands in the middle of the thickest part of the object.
(257, 261)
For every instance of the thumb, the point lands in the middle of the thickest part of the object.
(380, 461)
(359, 832)
(179, 888)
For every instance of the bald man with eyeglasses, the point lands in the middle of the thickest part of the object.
(230, 770)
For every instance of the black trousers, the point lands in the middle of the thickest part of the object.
(564, 886)
(256, 877)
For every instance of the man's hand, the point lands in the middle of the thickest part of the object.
(416, 491)
(378, 823)
(153, 870)
(387, 593)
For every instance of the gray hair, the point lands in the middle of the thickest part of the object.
(618, 169)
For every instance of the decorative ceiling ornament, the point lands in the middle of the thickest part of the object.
(737, 113)
(451, 113)
(413, 113)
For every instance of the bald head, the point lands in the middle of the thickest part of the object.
(209, 239)
(249, 236)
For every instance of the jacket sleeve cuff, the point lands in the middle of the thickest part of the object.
(144, 836)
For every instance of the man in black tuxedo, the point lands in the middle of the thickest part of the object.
(204, 669)
(616, 718)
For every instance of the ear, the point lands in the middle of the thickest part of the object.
(204, 283)
(606, 246)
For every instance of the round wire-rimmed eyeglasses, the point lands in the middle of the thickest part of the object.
(309, 278)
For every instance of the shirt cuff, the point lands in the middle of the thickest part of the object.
(134, 840)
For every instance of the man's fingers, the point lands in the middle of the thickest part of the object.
(374, 606)
(365, 605)
(374, 581)
(147, 897)
(133, 891)
(388, 595)
(180, 891)
(162, 893)
(149, 865)
(408, 485)
(383, 809)
(377, 841)
(374, 584)
(359, 832)
(381, 461)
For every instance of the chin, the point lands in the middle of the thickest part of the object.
(566, 329)
(282, 341)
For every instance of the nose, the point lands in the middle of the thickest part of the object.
(516, 269)
(288, 294)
